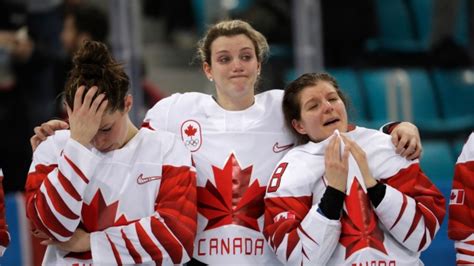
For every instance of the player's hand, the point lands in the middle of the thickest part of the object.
(45, 130)
(336, 166)
(79, 242)
(85, 117)
(406, 139)
(359, 155)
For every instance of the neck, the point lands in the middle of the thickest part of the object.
(235, 104)
(132, 130)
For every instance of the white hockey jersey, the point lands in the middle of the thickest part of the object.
(394, 233)
(4, 235)
(138, 202)
(234, 153)
(461, 205)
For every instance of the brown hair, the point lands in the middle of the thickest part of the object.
(291, 99)
(232, 28)
(94, 66)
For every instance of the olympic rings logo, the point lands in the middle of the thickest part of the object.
(192, 142)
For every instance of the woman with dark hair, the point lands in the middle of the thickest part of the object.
(345, 197)
(97, 192)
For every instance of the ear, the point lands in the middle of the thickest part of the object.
(128, 103)
(207, 70)
(259, 67)
(297, 125)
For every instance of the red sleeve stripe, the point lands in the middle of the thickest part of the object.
(430, 219)
(33, 216)
(414, 223)
(48, 217)
(68, 187)
(114, 250)
(76, 169)
(293, 240)
(58, 202)
(422, 242)
(306, 234)
(402, 210)
(131, 249)
(148, 244)
(167, 240)
(465, 251)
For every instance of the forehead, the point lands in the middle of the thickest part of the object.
(321, 89)
(110, 117)
(235, 42)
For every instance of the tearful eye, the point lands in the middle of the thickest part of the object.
(105, 129)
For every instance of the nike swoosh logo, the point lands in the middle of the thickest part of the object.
(142, 180)
(277, 149)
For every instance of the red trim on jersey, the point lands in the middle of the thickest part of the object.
(48, 218)
(114, 250)
(402, 211)
(461, 216)
(131, 249)
(430, 203)
(68, 187)
(76, 169)
(167, 240)
(57, 201)
(275, 231)
(148, 244)
(147, 124)
(176, 204)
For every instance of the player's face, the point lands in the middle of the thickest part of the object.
(234, 67)
(113, 130)
(322, 112)
(69, 35)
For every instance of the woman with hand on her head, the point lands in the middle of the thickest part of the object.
(236, 138)
(345, 197)
(98, 193)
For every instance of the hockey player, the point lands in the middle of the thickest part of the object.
(461, 206)
(4, 235)
(105, 192)
(345, 198)
(236, 139)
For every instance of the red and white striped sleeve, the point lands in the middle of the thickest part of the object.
(461, 205)
(166, 237)
(413, 208)
(294, 226)
(55, 185)
(4, 235)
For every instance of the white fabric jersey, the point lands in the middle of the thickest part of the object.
(394, 233)
(138, 202)
(461, 205)
(234, 153)
(4, 235)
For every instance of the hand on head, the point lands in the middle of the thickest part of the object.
(85, 117)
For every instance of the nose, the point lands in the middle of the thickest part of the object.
(238, 66)
(99, 142)
(327, 106)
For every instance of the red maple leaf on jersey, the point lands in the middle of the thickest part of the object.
(359, 225)
(232, 200)
(98, 216)
(190, 131)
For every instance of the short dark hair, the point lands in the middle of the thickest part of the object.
(90, 19)
(291, 99)
(94, 66)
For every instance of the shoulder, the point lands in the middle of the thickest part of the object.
(53, 145)
(383, 161)
(296, 173)
(270, 97)
(467, 153)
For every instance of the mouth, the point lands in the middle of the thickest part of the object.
(331, 121)
(238, 76)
